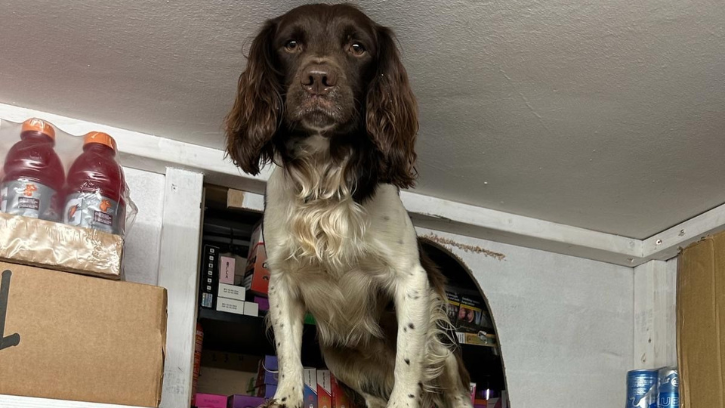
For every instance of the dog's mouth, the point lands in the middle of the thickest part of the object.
(318, 112)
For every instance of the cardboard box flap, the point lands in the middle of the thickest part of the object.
(701, 323)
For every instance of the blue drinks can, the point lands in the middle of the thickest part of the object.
(642, 389)
(669, 388)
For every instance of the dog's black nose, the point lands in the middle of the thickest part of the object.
(318, 79)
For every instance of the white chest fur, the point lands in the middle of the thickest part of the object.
(339, 257)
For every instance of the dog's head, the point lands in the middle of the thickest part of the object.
(327, 70)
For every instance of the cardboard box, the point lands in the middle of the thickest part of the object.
(310, 391)
(701, 322)
(80, 338)
(52, 245)
(324, 389)
(231, 292)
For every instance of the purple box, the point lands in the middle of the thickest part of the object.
(270, 370)
(262, 302)
(244, 401)
(269, 391)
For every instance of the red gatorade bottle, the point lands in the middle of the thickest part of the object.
(34, 176)
(96, 187)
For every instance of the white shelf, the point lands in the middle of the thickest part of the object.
(11, 401)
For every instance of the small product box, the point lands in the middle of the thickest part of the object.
(263, 302)
(310, 391)
(270, 368)
(470, 315)
(251, 309)
(226, 270)
(324, 389)
(454, 304)
(256, 276)
(231, 292)
(209, 266)
(473, 392)
(210, 401)
(339, 398)
(230, 305)
(244, 401)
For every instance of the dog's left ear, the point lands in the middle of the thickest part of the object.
(392, 114)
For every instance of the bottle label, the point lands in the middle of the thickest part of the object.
(92, 210)
(29, 199)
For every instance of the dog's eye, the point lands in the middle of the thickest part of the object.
(356, 49)
(292, 46)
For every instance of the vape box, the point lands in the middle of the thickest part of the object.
(231, 292)
(339, 398)
(226, 270)
(251, 309)
(324, 389)
(270, 368)
(230, 305)
(263, 302)
(210, 401)
(310, 388)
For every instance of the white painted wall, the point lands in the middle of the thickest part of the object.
(141, 249)
(564, 323)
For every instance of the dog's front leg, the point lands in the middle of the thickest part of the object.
(412, 309)
(287, 317)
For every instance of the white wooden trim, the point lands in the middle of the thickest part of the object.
(478, 222)
(655, 284)
(154, 153)
(667, 243)
(178, 266)
(443, 215)
(11, 401)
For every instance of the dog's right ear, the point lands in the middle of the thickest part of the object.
(253, 120)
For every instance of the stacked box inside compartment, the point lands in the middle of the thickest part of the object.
(225, 289)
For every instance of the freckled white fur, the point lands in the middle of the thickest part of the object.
(332, 256)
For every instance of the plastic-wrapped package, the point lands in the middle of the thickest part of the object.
(64, 201)
(55, 176)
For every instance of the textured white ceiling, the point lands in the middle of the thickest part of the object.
(608, 115)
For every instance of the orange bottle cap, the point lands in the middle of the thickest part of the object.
(39, 125)
(100, 137)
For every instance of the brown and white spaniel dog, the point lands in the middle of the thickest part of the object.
(326, 99)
